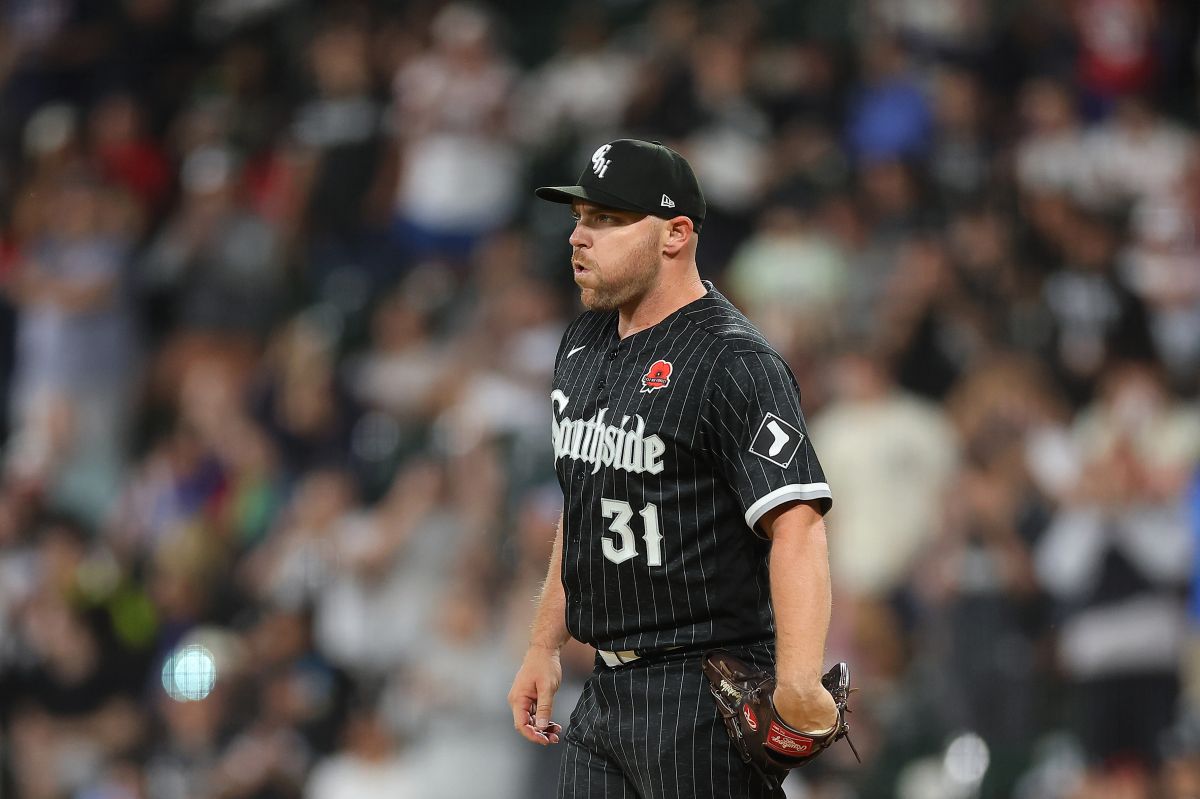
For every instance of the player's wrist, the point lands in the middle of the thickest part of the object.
(545, 648)
(806, 708)
(798, 682)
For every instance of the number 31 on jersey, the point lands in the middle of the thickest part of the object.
(623, 545)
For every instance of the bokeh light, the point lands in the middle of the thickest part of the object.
(967, 759)
(189, 673)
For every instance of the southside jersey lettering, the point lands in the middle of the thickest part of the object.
(593, 441)
(669, 446)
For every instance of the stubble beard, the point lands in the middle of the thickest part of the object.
(630, 285)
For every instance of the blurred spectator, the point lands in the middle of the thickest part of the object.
(727, 145)
(298, 398)
(367, 766)
(458, 163)
(72, 709)
(983, 604)
(51, 147)
(453, 699)
(581, 91)
(807, 161)
(791, 277)
(1136, 153)
(214, 269)
(211, 404)
(402, 369)
(941, 27)
(1001, 291)
(928, 324)
(171, 490)
(891, 116)
(892, 197)
(75, 350)
(269, 753)
(963, 154)
(892, 456)
(298, 561)
(1159, 267)
(1116, 53)
(664, 99)
(184, 753)
(1050, 157)
(303, 697)
(380, 599)
(127, 155)
(214, 471)
(340, 148)
(241, 85)
(1093, 316)
(57, 49)
(498, 398)
(158, 53)
(873, 226)
(1116, 558)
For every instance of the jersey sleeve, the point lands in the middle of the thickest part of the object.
(757, 437)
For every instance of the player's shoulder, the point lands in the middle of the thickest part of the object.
(716, 316)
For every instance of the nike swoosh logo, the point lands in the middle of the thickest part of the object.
(781, 438)
(577, 349)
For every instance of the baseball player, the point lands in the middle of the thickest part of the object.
(693, 504)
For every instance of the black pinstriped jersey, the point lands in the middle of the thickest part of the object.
(670, 445)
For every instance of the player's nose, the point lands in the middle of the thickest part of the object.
(579, 236)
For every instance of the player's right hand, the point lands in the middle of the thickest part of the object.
(532, 696)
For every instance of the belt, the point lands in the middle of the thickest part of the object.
(612, 659)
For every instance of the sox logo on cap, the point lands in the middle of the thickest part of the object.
(599, 162)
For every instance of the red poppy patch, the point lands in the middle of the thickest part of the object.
(658, 376)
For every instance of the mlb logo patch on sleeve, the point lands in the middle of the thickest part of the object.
(776, 441)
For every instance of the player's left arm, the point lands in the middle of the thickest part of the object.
(801, 598)
(760, 444)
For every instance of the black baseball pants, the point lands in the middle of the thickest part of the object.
(651, 730)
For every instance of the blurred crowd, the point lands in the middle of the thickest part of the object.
(279, 313)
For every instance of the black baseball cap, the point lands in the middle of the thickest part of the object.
(635, 175)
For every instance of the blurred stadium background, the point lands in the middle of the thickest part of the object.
(278, 315)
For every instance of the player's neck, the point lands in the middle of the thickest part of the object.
(658, 303)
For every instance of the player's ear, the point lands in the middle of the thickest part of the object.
(679, 235)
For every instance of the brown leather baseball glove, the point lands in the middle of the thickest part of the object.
(764, 740)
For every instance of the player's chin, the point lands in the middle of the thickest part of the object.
(594, 301)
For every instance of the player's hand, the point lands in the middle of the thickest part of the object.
(532, 696)
(807, 708)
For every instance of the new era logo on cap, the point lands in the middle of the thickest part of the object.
(634, 175)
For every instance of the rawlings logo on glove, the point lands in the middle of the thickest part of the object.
(787, 741)
(765, 741)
